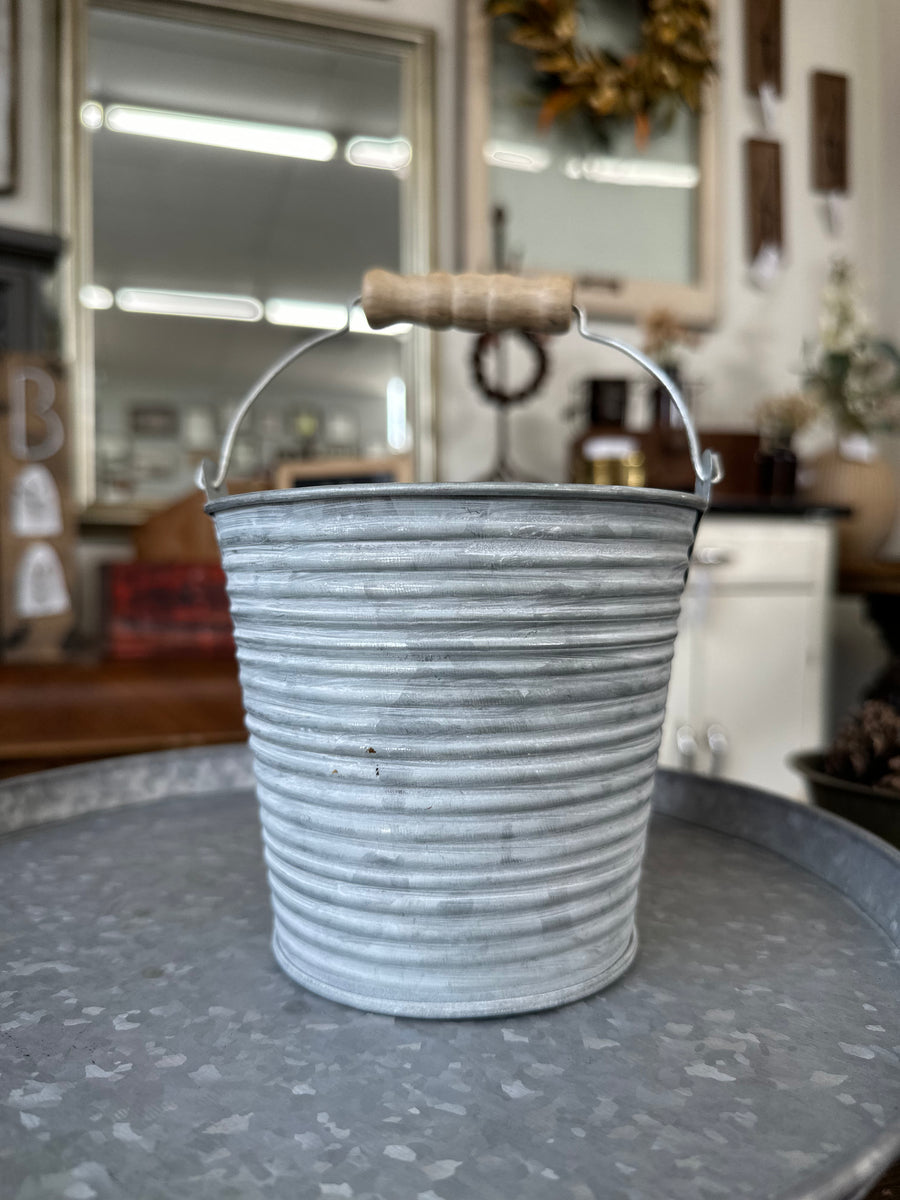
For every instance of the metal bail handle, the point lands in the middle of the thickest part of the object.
(706, 463)
(211, 477)
(479, 303)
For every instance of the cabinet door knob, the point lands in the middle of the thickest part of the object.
(717, 740)
(713, 556)
(686, 745)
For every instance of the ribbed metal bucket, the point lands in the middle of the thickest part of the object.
(454, 695)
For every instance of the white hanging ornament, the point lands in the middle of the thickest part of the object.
(40, 586)
(34, 504)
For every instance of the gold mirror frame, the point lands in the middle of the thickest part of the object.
(414, 48)
(694, 304)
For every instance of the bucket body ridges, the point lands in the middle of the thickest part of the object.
(454, 696)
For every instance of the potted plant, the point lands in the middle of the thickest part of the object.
(856, 377)
(858, 777)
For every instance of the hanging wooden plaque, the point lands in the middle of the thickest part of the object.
(764, 195)
(830, 132)
(36, 525)
(762, 44)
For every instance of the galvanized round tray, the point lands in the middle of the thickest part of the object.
(151, 1047)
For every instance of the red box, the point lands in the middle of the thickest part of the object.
(166, 610)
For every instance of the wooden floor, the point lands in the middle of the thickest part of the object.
(888, 1187)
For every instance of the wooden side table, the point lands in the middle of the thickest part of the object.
(879, 582)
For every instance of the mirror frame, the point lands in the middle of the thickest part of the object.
(695, 304)
(414, 48)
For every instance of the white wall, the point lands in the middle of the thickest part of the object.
(889, 106)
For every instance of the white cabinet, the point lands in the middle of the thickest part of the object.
(749, 677)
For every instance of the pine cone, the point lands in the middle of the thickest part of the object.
(867, 746)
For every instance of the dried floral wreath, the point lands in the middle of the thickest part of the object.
(674, 60)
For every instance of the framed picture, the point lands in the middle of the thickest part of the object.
(329, 472)
(154, 421)
(637, 228)
(9, 72)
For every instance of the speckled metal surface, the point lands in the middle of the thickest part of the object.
(151, 1048)
(454, 695)
(112, 782)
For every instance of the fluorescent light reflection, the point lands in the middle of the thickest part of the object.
(384, 154)
(306, 314)
(167, 302)
(222, 132)
(310, 314)
(212, 305)
(597, 168)
(632, 172)
(397, 428)
(92, 115)
(517, 156)
(96, 297)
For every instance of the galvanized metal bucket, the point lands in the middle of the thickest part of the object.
(454, 696)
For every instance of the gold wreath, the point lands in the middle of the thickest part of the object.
(673, 62)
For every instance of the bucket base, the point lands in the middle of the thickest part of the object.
(453, 1009)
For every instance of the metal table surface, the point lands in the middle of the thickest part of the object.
(151, 1047)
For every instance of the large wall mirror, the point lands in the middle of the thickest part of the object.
(232, 170)
(635, 225)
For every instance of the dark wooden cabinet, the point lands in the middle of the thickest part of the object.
(59, 714)
(27, 261)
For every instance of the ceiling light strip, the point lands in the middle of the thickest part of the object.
(318, 145)
(168, 303)
(307, 314)
(223, 306)
(222, 132)
(383, 154)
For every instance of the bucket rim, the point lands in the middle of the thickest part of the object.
(459, 491)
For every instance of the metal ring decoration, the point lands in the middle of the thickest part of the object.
(487, 341)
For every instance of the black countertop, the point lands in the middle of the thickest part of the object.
(756, 506)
